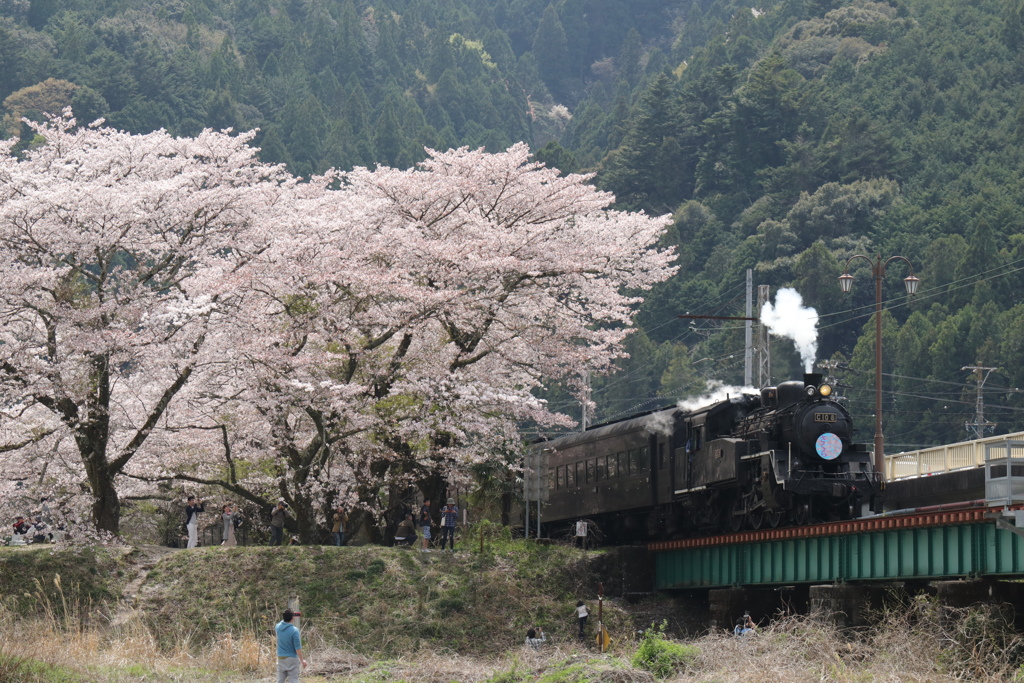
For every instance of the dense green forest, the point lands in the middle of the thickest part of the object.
(783, 138)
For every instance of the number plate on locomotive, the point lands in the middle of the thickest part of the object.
(824, 417)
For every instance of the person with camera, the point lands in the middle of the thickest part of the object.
(535, 638)
(340, 519)
(449, 518)
(192, 511)
(289, 649)
(277, 519)
(229, 518)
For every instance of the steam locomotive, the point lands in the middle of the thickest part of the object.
(784, 457)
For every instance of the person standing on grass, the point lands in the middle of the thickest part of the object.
(581, 615)
(192, 511)
(338, 530)
(424, 521)
(449, 518)
(277, 518)
(289, 649)
(228, 518)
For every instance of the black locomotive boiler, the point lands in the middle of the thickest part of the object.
(783, 457)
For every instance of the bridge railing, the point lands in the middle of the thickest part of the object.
(954, 456)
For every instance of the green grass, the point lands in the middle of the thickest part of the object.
(24, 670)
(87, 575)
(380, 601)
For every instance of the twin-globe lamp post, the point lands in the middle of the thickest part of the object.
(846, 283)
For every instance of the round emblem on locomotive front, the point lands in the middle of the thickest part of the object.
(828, 446)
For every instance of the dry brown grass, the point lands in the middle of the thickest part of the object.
(918, 641)
(923, 642)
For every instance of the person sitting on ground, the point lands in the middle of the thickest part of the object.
(748, 625)
(737, 630)
(405, 534)
(534, 638)
(40, 531)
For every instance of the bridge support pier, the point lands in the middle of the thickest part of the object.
(850, 604)
(967, 593)
(727, 604)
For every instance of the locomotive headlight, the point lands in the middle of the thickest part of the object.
(825, 390)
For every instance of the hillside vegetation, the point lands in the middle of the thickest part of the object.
(384, 615)
(783, 139)
(796, 139)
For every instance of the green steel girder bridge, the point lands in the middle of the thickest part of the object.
(974, 542)
(979, 539)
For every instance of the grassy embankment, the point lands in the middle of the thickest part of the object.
(381, 615)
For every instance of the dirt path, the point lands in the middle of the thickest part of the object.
(142, 559)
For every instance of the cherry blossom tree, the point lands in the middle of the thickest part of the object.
(176, 311)
(409, 315)
(121, 257)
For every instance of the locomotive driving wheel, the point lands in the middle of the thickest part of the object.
(756, 519)
(773, 518)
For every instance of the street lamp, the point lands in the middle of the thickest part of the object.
(911, 283)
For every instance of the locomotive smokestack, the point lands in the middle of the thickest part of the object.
(813, 379)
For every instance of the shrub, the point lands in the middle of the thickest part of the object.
(662, 657)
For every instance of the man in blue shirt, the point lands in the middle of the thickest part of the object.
(289, 649)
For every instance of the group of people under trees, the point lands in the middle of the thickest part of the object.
(405, 534)
(231, 518)
(30, 530)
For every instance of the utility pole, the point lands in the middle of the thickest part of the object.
(979, 425)
(762, 350)
(748, 334)
(829, 366)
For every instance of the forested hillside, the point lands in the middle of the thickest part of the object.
(784, 137)
(790, 143)
(330, 83)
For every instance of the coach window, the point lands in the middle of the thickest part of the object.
(570, 470)
(560, 477)
(636, 455)
(661, 456)
(581, 473)
(612, 469)
(591, 477)
(551, 478)
(601, 472)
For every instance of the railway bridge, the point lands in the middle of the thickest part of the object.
(954, 524)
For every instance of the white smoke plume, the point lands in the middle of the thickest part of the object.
(660, 423)
(789, 318)
(715, 392)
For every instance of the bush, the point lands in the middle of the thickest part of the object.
(662, 657)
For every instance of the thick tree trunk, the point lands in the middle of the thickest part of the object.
(106, 506)
(305, 520)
